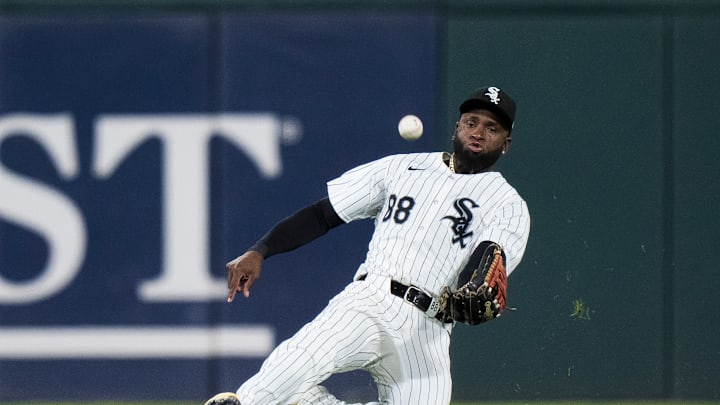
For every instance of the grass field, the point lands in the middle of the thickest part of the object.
(564, 402)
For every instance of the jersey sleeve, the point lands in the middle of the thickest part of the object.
(510, 228)
(360, 192)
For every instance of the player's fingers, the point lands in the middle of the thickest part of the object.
(231, 295)
(246, 283)
(242, 273)
(233, 286)
(233, 282)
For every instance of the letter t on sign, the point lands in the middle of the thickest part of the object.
(185, 274)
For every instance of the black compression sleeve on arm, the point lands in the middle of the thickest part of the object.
(299, 229)
(481, 254)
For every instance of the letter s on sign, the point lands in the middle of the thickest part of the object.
(43, 210)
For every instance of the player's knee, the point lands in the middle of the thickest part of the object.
(287, 372)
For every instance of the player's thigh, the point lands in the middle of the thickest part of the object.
(340, 338)
(424, 366)
(346, 335)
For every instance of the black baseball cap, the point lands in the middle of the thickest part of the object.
(492, 99)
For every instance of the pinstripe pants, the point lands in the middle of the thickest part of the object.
(363, 327)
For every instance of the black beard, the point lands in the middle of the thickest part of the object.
(471, 162)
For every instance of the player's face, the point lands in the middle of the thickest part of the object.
(479, 140)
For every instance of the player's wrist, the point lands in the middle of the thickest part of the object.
(259, 247)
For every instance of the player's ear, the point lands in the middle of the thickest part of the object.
(508, 141)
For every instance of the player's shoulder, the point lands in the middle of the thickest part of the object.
(417, 158)
(509, 191)
(391, 163)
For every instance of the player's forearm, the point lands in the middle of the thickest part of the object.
(298, 229)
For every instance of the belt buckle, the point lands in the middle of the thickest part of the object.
(411, 294)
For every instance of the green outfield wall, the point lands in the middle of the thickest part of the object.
(615, 149)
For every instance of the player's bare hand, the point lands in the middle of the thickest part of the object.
(242, 273)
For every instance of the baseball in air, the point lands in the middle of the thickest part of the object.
(410, 127)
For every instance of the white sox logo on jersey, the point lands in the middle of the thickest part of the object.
(461, 223)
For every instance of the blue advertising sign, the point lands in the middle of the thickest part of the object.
(138, 154)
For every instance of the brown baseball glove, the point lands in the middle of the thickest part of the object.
(482, 291)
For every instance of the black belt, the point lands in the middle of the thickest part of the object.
(414, 296)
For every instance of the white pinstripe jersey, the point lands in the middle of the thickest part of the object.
(428, 220)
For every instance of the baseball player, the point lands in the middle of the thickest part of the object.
(448, 231)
